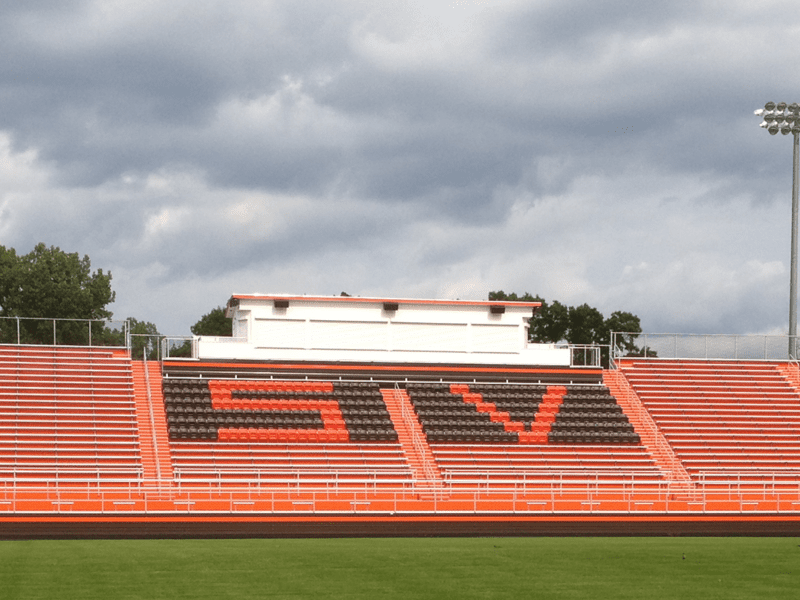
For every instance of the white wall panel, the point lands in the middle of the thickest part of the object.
(269, 333)
(495, 338)
(346, 335)
(429, 337)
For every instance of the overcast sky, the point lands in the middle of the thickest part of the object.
(587, 151)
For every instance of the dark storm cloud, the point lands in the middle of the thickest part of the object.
(103, 96)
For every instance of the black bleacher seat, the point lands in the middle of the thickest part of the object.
(446, 418)
(190, 414)
(591, 415)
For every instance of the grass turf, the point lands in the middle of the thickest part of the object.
(561, 568)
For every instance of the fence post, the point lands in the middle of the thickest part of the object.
(54, 333)
(18, 335)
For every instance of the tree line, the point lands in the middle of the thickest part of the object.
(48, 283)
(555, 322)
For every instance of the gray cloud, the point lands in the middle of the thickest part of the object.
(601, 153)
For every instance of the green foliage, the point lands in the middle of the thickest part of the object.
(49, 283)
(554, 322)
(626, 323)
(214, 323)
(585, 325)
(139, 343)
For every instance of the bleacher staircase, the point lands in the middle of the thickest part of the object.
(152, 422)
(651, 436)
(412, 439)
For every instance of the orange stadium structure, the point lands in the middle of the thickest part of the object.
(381, 416)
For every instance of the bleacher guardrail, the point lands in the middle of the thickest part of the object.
(699, 346)
(179, 347)
(64, 332)
(538, 493)
(585, 355)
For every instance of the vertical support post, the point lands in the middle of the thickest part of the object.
(54, 332)
(18, 335)
(793, 266)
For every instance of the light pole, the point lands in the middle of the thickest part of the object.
(786, 119)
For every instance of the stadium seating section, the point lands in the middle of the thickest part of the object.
(67, 413)
(723, 420)
(88, 427)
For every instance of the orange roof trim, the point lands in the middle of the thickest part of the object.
(367, 300)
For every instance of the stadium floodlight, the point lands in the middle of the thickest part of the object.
(786, 119)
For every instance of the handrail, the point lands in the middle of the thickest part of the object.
(617, 496)
(409, 421)
(584, 356)
(590, 477)
(659, 443)
(167, 342)
(124, 330)
(152, 418)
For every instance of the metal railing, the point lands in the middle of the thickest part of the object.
(651, 435)
(531, 493)
(179, 347)
(699, 346)
(146, 346)
(416, 440)
(585, 355)
(64, 332)
(153, 437)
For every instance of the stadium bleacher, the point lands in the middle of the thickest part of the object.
(725, 420)
(67, 413)
(89, 430)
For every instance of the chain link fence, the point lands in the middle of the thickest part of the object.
(703, 346)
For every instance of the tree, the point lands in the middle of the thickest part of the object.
(144, 338)
(585, 325)
(549, 325)
(49, 283)
(628, 327)
(554, 322)
(214, 323)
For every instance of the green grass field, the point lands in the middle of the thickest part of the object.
(561, 568)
